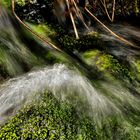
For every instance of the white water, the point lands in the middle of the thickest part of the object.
(63, 83)
(69, 86)
(118, 48)
(13, 51)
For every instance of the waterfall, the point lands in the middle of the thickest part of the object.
(65, 83)
(13, 52)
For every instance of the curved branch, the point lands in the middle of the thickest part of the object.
(114, 34)
(29, 29)
(105, 6)
(106, 11)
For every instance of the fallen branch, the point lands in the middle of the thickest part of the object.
(114, 34)
(72, 19)
(29, 29)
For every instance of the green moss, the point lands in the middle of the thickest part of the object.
(53, 120)
(56, 57)
(13, 62)
(107, 63)
(44, 30)
(137, 64)
(68, 43)
(48, 119)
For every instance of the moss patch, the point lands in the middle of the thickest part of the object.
(53, 120)
(43, 29)
(107, 63)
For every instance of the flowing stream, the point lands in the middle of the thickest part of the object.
(13, 51)
(66, 83)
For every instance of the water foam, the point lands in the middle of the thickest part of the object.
(65, 84)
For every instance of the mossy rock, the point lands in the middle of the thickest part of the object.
(47, 118)
(108, 64)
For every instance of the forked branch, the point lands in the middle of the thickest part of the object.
(111, 18)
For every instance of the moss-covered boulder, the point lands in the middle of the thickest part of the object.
(47, 118)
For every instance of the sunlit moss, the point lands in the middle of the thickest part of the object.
(44, 30)
(107, 63)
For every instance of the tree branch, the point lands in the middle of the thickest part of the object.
(29, 29)
(114, 34)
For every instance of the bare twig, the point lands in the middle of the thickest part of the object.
(114, 34)
(80, 14)
(105, 7)
(106, 11)
(28, 28)
(72, 19)
(113, 10)
(100, 6)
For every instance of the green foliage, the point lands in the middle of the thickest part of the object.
(53, 120)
